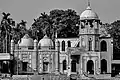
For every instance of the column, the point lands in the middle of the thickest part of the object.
(93, 43)
(12, 46)
(34, 57)
(94, 66)
(81, 68)
(85, 64)
(40, 62)
(57, 57)
(69, 63)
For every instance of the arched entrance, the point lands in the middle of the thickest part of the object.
(5, 67)
(103, 66)
(90, 67)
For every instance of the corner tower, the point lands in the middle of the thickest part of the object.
(89, 29)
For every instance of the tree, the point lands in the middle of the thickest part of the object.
(5, 29)
(114, 30)
(62, 22)
(65, 21)
(19, 31)
(9, 31)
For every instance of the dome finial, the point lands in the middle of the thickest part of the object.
(88, 2)
(88, 5)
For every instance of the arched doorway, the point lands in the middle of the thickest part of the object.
(73, 66)
(5, 68)
(90, 67)
(103, 66)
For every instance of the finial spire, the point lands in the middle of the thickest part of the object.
(88, 6)
(88, 2)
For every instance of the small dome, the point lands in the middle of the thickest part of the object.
(26, 41)
(45, 42)
(88, 14)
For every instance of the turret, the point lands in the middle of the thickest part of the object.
(89, 29)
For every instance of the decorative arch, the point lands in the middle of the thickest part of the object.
(63, 45)
(69, 44)
(73, 66)
(64, 65)
(103, 66)
(103, 45)
(90, 67)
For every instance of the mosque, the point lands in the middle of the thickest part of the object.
(89, 55)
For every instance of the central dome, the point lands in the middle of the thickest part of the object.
(88, 14)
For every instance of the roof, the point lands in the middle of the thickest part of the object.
(45, 42)
(26, 41)
(88, 14)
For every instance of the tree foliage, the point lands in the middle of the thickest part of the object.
(8, 31)
(62, 22)
(114, 30)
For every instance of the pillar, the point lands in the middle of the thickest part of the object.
(57, 57)
(34, 56)
(81, 64)
(12, 46)
(94, 66)
(85, 64)
(69, 62)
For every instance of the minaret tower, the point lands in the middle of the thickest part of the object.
(89, 29)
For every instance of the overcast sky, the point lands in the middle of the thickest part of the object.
(107, 10)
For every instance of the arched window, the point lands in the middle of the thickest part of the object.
(90, 44)
(103, 66)
(63, 45)
(103, 45)
(69, 44)
(73, 66)
(90, 67)
(64, 64)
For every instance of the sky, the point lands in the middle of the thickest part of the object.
(107, 10)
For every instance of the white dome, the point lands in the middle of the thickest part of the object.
(88, 14)
(45, 42)
(26, 41)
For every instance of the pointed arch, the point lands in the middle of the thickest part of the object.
(63, 45)
(103, 45)
(103, 66)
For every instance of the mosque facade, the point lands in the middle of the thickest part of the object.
(89, 55)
